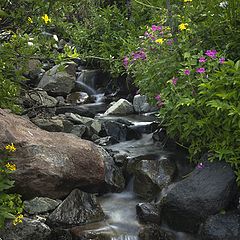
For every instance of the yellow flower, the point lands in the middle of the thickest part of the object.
(30, 20)
(18, 219)
(11, 167)
(187, 1)
(183, 26)
(10, 148)
(159, 40)
(46, 19)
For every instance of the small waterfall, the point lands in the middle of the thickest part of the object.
(83, 86)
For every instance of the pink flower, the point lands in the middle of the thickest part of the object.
(222, 60)
(187, 72)
(200, 166)
(200, 70)
(174, 81)
(202, 59)
(156, 28)
(211, 53)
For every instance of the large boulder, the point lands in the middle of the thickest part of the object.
(77, 209)
(222, 227)
(206, 191)
(141, 105)
(59, 80)
(53, 164)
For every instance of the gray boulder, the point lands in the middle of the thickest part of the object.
(121, 107)
(29, 229)
(148, 213)
(49, 124)
(206, 191)
(77, 209)
(59, 80)
(79, 130)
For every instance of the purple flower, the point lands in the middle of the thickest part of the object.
(169, 42)
(158, 97)
(174, 81)
(200, 166)
(202, 59)
(200, 70)
(222, 60)
(139, 55)
(187, 72)
(156, 28)
(125, 61)
(211, 53)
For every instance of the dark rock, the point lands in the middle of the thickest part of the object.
(148, 213)
(59, 80)
(81, 110)
(204, 192)
(154, 232)
(114, 180)
(77, 209)
(222, 227)
(40, 205)
(119, 131)
(151, 176)
(29, 229)
(60, 234)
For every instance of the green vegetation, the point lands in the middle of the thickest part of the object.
(11, 205)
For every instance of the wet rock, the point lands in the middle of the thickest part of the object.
(79, 130)
(50, 125)
(121, 107)
(40, 205)
(77, 209)
(59, 80)
(151, 176)
(119, 131)
(148, 213)
(204, 192)
(29, 229)
(51, 164)
(106, 141)
(81, 110)
(61, 101)
(153, 231)
(77, 98)
(221, 227)
(114, 180)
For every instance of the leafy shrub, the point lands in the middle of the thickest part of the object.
(11, 205)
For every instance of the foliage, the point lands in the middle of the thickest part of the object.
(11, 205)
(196, 89)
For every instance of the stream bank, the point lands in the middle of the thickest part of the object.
(107, 170)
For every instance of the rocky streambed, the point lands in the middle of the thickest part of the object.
(107, 170)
